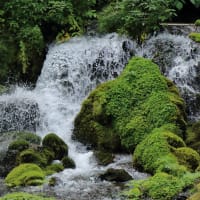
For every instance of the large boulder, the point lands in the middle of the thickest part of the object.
(119, 114)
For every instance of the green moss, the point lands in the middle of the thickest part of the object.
(161, 186)
(197, 22)
(23, 196)
(188, 157)
(53, 168)
(155, 153)
(33, 156)
(18, 145)
(56, 145)
(25, 174)
(68, 162)
(195, 36)
(29, 137)
(121, 113)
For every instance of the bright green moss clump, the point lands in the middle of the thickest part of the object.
(119, 114)
(197, 22)
(23, 196)
(25, 174)
(195, 36)
(161, 186)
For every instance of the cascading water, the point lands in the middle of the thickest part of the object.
(179, 60)
(70, 72)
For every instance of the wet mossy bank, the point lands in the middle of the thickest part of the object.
(141, 112)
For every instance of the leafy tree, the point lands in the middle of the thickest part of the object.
(138, 17)
(32, 23)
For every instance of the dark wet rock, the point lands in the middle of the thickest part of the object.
(19, 115)
(118, 175)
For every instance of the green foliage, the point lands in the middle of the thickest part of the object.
(56, 145)
(195, 36)
(128, 108)
(68, 162)
(135, 17)
(23, 196)
(25, 174)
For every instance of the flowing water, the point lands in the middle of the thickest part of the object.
(70, 72)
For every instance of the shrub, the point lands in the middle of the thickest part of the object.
(25, 174)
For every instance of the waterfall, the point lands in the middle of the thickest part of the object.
(71, 70)
(179, 59)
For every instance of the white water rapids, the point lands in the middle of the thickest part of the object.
(71, 70)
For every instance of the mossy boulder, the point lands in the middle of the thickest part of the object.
(18, 145)
(161, 186)
(53, 168)
(193, 136)
(68, 162)
(117, 175)
(120, 113)
(197, 22)
(188, 157)
(32, 156)
(156, 153)
(104, 158)
(24, 196)
(25, 174)
(195, 36)
(56, 145)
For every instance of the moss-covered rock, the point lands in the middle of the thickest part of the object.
(68, 162)
(188, 157)
(121, 113)
(104, 158)
(25, 174)
(193, 136)
(18, 145)
(161, 186)
(53, 168)
(56, 145)
(195, 36)
(33, 156)
(197, 22)
(156, 153)
(24, 196)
